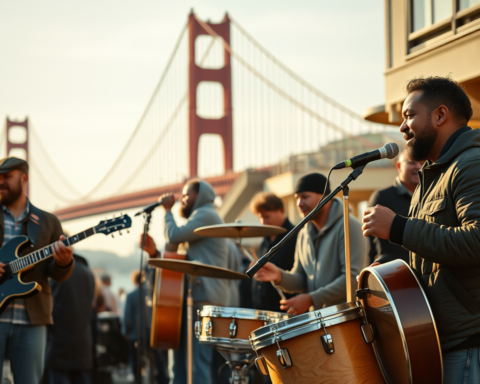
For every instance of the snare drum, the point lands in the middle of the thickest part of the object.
(324, 346)
(228, 329)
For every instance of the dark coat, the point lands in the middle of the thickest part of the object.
(397, 198)
(42, 229)
(69, 342)
(130, 319)
(264, 295)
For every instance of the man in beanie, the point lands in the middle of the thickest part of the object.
(319, 269)
(23, 322)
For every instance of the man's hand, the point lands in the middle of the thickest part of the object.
(167, 200)
(297, 305)
(269, 272)
(61, 253)
(377, 221)
(149, 246)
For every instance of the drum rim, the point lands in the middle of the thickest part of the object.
(225, 343)
(241, 313)
(397, 318)
(303, 324)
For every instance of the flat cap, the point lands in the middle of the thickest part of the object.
(8, 164)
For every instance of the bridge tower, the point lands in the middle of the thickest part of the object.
(15, 144)
(197, 125)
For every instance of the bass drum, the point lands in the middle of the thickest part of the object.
(406, 341)
(324, 346)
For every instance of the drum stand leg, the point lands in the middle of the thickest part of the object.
(239, 368)
(190, 326)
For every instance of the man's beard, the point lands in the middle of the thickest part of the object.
(422, 144)
(185, 211)
(12, 195)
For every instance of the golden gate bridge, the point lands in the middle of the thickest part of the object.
(223, 105)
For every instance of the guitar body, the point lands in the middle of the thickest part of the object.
(406, 341)
(11, 284)
(167, 306)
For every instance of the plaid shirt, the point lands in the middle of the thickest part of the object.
(16, 311)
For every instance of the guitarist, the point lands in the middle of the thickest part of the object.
(442, 231)
(197, 207)
(23, 322)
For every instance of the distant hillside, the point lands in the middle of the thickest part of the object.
(111, 262)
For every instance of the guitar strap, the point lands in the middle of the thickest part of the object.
(34, 223)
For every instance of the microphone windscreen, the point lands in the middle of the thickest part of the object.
(392, 150)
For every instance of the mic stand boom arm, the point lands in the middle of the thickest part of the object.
(265, 258)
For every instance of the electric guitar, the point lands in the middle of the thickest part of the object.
(11, 284)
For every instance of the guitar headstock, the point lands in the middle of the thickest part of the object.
(112, 225)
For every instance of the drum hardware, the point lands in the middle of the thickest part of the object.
(209, 329)
(327, 339)
(233, 328)
(367, 332)
(239, 368)
(362, 293)
(198, 328)
(261, 365)
(283, 356)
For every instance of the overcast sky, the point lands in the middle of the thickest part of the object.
(84, 71)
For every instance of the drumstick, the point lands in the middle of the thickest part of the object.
(280, 292)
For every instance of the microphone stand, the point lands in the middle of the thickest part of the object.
(265, 258)
(141, 299)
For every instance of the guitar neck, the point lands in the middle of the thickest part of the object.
(46, 252)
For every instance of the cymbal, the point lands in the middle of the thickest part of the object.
(238, 230)
(194, 268)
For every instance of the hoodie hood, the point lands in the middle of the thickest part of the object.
(206, 195)
(467, 140)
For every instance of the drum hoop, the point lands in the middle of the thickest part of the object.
(242, 313)
(397, 318)
(279, 332)
(223, 340)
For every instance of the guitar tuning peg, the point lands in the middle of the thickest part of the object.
(128, 231)
(120, 233)
(113, 236)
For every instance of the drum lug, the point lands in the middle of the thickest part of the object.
(327, 342)
(198, 327)
(233, 329)
(283, 357)
(209, 329)
(367, 332)
(261, 365)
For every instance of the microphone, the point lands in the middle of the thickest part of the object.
(149, 208)
(389, 151)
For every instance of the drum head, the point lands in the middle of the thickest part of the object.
(389, 344)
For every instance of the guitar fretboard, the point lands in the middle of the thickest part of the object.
(46, 252)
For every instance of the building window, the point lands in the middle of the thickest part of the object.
(464, 4)
(434, 21)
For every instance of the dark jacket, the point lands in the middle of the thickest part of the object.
(130, 319)
(69, 342)
(443, 235)
(264, 295)
(42, 229)
(398, 199)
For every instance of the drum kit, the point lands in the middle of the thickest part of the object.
(374, 339)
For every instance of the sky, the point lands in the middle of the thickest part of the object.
(83, 72)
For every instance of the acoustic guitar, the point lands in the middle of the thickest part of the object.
(11, 284)
(167, 306)
(403, 330)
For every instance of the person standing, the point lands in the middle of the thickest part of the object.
(397, 198)
(319, 272)
(442, 232)
(197, 207)
(110, 299)
(23, 322)
(69, 357)
(269, 209)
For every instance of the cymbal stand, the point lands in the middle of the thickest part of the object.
(346, 224)
(190, 326)
(251, 258)
(239, 368)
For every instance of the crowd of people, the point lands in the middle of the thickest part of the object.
(429, 217)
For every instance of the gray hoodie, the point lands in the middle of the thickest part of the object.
(321, 273)
(207, 250)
